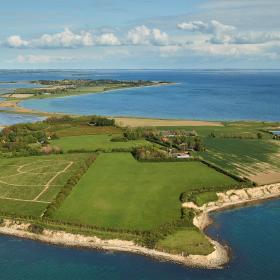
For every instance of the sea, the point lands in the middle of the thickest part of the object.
(194, 94)
(252, 232)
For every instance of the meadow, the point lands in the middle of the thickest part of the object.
(95, 142)
(119, 192)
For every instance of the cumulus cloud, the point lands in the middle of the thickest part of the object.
(142, 35)
(213, 26)
(221, 33)
(108, 39)
(16, 42)
(208, 38)
(227, 34)
(64, 39)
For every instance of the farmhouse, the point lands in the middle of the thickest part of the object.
(181, 155)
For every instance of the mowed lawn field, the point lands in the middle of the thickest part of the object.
(29, 184)
(120, 192)
(95, 142)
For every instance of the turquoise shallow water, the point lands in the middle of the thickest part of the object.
(252, 232)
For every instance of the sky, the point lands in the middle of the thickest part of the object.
(133, 34)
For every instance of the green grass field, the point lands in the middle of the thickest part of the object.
(28, 184)
(64, 130)
(188, 241)
(94, 142)
(120, 192)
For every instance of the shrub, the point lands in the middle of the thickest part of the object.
(119, 139)
(37, 229)
(101, 121)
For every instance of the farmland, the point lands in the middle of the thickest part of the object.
(119, 192)
(28, 185)
(95, 142)
(134, 186)
(245, 149)
(242, 156)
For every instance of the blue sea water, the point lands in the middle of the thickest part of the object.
(252, 233)
(204, 95)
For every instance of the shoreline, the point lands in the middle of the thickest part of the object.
(229, 200)
(65, 239)
(215, 260)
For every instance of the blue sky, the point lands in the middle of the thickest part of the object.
(134, 34)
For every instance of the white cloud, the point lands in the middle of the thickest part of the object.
(212, 27)
(255, 37)
(139, 35)
(219, 33)
(15, 41)
(108, 39)
(142, 35)
(65, 39)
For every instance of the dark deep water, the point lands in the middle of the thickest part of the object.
(252, 232)
(198, 94)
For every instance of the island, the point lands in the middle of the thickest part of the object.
(136, 185)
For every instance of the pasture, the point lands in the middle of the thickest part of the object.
(119, 192)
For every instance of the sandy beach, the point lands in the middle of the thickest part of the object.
(147, 122)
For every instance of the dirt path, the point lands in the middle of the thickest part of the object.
(24, 200)
(52, 179)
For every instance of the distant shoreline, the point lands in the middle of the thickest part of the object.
(15, 103)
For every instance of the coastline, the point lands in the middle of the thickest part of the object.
(212, 261)
(217, 259)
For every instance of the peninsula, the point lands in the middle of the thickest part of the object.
(124, 185)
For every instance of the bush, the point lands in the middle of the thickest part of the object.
(37, 229)
(119, 139)
(149, 153)
(101, 121)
